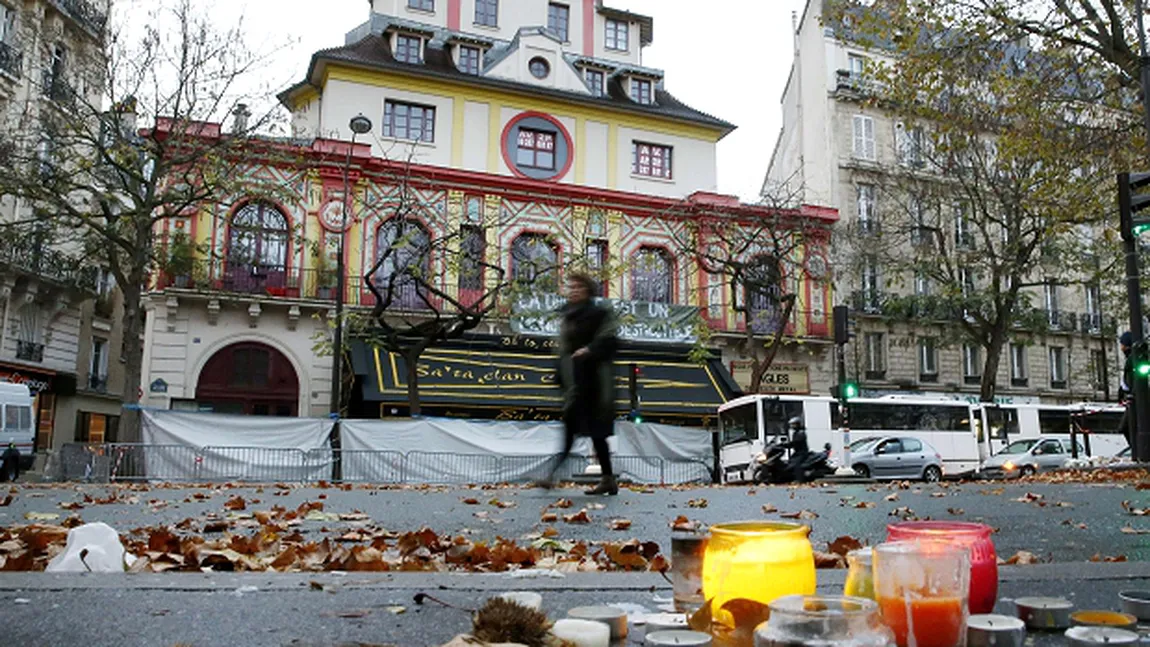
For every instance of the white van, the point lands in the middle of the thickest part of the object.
(16, 424)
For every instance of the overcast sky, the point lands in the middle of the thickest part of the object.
(729, 58)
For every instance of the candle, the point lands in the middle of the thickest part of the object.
(582, 633)
(937, 622)
(1136, 603)
(976, 537)
(529, 599)
(993, 630)
(1044, 613)
(757, 561)
(1089, 636)
(677, 638)
(922, 589)
(665, 621)
(615, 619)
(687, 550)
(1104, 619)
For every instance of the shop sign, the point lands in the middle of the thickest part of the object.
(780, 378)
(538, 314)
(35, 384)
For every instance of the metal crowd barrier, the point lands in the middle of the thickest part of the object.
(132, 462)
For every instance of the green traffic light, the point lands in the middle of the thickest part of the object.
(1142, 369)
(851, 390)
(1138, 229)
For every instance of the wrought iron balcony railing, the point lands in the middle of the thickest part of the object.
(11, 60)
(29, 351)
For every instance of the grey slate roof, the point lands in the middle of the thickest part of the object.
(371, 50)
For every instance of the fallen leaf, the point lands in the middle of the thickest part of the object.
(549, 517)
(397, 609)
(1099, 557)
(620, 524)
(41, 516)
(1030, 497)
(829, 560)
(562, 503)
(578, 517)
(550, 532)
(471, 501)
(75, 505)
(937, 495)
(864, 505)
(1136, 531)
(903, 512)
(891, 497)
(844, 545)
(769, 508)
(1064, 504)
(956, 511)
(502, 505)
(1022, 558)
(697, 503)
(7, 500)
(235, 503)
(802, 514)
(315, 586)
(683, 524)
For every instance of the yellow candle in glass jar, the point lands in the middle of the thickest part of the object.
(759, 561)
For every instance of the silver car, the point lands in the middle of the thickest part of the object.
(1029, 456)
(896, 457)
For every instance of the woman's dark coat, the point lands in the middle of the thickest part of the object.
(588, 383)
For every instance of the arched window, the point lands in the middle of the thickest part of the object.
(405, 247)
(652, 278)
(535, 262)
(763, 285)
(258, 237)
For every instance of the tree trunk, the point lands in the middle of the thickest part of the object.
(759, 368)
(133, 353)
(997, 341)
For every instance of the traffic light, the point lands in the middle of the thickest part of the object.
(1132, 202)
(845, 391)
(1141, 355)
(842, 324)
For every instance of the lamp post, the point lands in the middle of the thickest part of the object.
(359, 125)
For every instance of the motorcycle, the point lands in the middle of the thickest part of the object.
(772, 466)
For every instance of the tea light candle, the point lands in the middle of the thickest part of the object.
(1104, 619)
(677, 639)
(582, 633)
(1045, 613)
(665, 622)
(991, 630)
(529, 599)
(615, 619)
(1090, 636)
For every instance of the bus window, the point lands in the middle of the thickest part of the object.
(1102, 422)
(1053, 421)
(739, 424)
(1002, 422)
(836, 416)
(776, 413)
(879, 417)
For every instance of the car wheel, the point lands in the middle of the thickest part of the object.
(932, 474)
(1027, 470)
(862, 471)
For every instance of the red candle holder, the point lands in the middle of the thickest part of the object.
(976, 536)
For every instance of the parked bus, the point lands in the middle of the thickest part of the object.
(1007, 423)
(16, 421)
(749, 423)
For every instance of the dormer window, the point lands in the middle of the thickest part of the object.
(408, 49)
(421, 5)
(469, 57)
(595, 81)
(616, 35)
(641, 91)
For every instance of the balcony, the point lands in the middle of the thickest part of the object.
(29, 351)
(24, 253)
(855, 84)
(98, 383)
(11, 60)
(1061, 321)
(84, 14)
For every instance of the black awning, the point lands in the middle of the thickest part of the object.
(492, 376)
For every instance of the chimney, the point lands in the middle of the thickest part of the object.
(240, 116)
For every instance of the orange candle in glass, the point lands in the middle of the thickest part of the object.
(755, 560)
(922, 589)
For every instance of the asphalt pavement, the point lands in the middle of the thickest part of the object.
(1063, 524)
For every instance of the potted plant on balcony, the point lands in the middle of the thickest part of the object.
(179, 261)
(325, 277)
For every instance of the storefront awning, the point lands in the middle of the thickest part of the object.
(514, 377)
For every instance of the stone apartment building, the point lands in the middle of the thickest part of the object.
(837, 145)
(58, 314)
(506, 121)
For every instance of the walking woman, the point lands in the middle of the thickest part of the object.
(587, 347)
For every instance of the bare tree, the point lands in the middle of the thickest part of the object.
(131, 145)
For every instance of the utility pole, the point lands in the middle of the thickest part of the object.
(1130, 204)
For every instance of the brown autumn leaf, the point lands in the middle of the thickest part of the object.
(1144, 485)
(471, 501)
(549, 517)
(1022, 558)
(6, 501)
(659, 564)
(769, 508)
(702, 619)
(801, 514)
(865, 505)
(1131, 510)
(844, 545)
(937, 495)
(891, 497)
(235, 503)
(683, 524)
(218, 525)
(1135, 531)
(502, 505)
(75, 505)
(697, 503)
(620, 524)
(1030, 497)
(550, 532)
(578, 517)
(956, 511)
(903, 512)
(628, 554)
(562, 503)
(829, 560)
(1099, 557)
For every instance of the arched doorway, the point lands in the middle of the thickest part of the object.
(249, 378)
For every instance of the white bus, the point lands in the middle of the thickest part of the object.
(16, 424)
(1007, 423)
(749, 423)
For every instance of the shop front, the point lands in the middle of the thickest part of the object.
(47, 387)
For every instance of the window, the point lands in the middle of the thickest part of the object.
(422, 5)
(596, 256)
(910, 145)
(54, 79)
(641, 91)
(469, 59)
(7, 23)
(17, 418)
(1057, 367)
(539, 67)
(98, 365)
(868, 222)
(911, 445)
(536, 149)
(856, 65)
(1098, 369)
(1018, 368)
(971, 361)
(715, 297)
(594, 79)
(473, 245)
(928, 359)
(963, 235)
(535, 261)
(762, 282)
(105, 281)
(559, 19)
(1050, 293)
(487, 12)
(473, 209)
(408, 121)
(871, 285)
(616, 35)
(651, 160)
(875, 355)
(404, 246)
(408, 49)
(1093, 309)
(862, 135)
(921, 285)
(921, 231)
(46, 155)
(652, 276)
(258, 240)
(29, 338)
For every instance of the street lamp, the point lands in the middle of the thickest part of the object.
(359, 125)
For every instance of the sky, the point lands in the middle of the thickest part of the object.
(729, 58)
